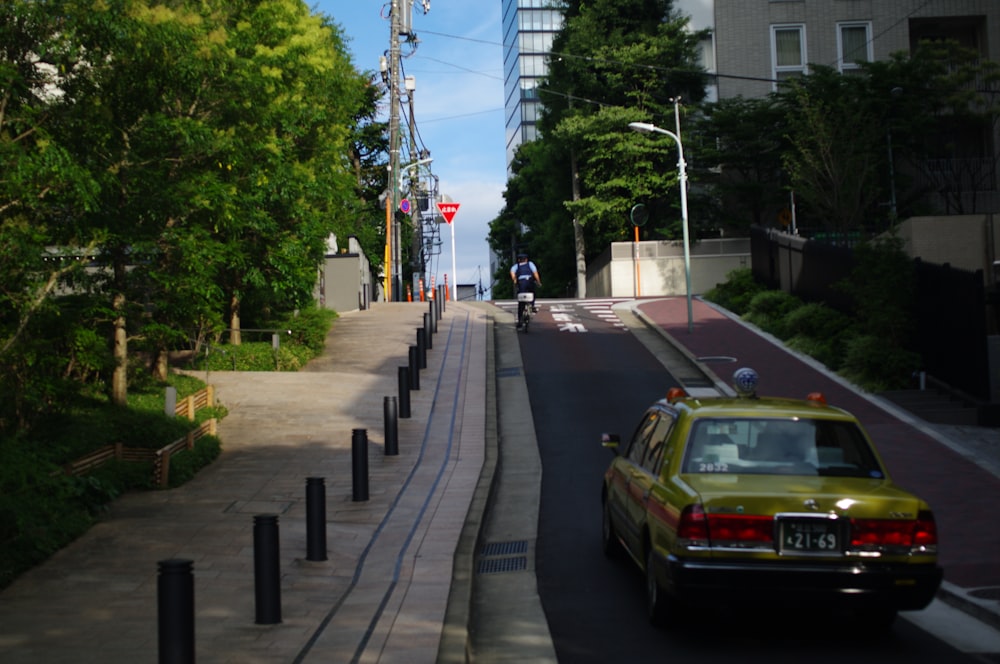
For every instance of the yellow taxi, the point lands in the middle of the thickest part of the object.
(753, 501)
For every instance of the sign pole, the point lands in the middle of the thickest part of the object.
(454, 274)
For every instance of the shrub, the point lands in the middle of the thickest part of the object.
(877, 365)
(310, 327)
(185, 464)
(768, 310)
(816, 320)
(736, 292)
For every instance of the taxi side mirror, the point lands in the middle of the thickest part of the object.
(611, 441)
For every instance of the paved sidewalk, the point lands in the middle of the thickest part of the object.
(956, 469)
(382, 594)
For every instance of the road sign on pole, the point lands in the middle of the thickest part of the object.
(448, 210)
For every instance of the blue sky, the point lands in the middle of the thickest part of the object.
(458, 67)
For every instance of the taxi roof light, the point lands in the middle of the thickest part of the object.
(675, 393)
(745, 382)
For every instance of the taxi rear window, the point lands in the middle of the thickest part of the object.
(793, 446)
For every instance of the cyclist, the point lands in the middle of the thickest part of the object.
(524, 274)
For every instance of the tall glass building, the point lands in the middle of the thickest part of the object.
(529, 27)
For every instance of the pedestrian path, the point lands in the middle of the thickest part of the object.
(381, 595)
(953, 468)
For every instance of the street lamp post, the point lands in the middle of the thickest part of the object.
(646, 128)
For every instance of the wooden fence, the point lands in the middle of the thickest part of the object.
(204, 398)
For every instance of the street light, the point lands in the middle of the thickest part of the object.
(646, 128)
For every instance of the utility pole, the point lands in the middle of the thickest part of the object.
(392, 267)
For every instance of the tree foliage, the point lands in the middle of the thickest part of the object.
(177, 165)
(613, 63)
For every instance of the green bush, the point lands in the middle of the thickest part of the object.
(43, 509)
(310, 327)
(768, 310)
(877, 365)
(817, 321)
(736, 292)
(185, 465)
(828, 351)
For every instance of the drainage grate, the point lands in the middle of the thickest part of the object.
(494, 565)
(503, 557)
(508, 372)
(505, 548)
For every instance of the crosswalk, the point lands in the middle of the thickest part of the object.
(573, 315)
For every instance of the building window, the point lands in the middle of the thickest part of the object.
(788, 51)
(854, 46)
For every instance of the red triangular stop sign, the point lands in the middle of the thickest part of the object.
(448, 210)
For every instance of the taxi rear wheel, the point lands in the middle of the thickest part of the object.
(609, 539)
(656, 602)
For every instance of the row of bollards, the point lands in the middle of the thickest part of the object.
(175, 581)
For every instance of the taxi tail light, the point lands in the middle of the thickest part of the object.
(696, 528)
(741, 529)
(692, 530)
(879, 534)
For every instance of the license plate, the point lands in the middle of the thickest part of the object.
(811, 536)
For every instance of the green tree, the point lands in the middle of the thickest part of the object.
(294, 97)
(613, 63)
(41, 185)
(832, 162)
(739, 144)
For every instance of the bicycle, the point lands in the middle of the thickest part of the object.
(525, 307)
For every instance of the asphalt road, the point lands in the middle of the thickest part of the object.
(586, 374)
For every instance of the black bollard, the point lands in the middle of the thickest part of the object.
(266, 569)
(359, 465)
(434, 323)
(391, 429)
(437, 313)
(404, 392)
(421, 348)
(428, 337)
(315, 519)
(414, 369)
(175, 605)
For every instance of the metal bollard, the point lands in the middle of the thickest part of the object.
(391, 428)
(421, 348)
(315, 518)
(434, 324)
(266, 569)
(404, 392)
(414, 369)
(359, 465)
(428, 337)
(175, 606)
